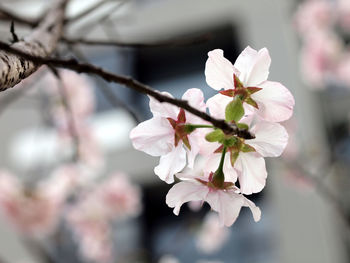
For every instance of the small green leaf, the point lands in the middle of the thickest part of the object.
(215, 136)
(189, 128)
(234, 110)
(246, 148)
(229, 142)
(243, 126)
(233, 158)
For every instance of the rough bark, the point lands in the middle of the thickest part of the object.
(41, 42)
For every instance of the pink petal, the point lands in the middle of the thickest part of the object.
(195, 98)
(219, 71)
(275, 101)
(253, 66)
(163, 109)
(154, 137)
(212, 164)
(217, 105)
(253, 208)
(251, 172)
(171, 164)
(270, 139)
(184, 192)
(228, 204)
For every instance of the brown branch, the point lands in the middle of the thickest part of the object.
(183, 41)
(41, 42)
(86, 12)
(130, 83)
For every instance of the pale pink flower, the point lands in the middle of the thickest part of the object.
(270, 141)
(212, 235)
(319, 57)
(248, 77)
(163, 135)
(78, 94)
(92, 231)
(227, 201)
(90, 218)
(34, 211)
(121, 198)
(344, 14)
(314, 15)
(343, 69)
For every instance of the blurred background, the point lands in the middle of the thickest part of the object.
(306, 204)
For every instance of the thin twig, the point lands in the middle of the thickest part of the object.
(183, 41)
(14, 35)
(86, 12)
(322, 189)
(116, 102)
(69, 114)
(131, 83)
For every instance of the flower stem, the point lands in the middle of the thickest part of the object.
(219, 177)
(191, 127)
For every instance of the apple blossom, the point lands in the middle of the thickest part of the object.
(165, 135)
(200, 186)
(247, 78)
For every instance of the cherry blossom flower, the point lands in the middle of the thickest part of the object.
(245, 158)
(121, 198)
(34, 211)
(210, 230)
(164, 135)
(227, 201)
(248, 79)
(114, 199)
(314, 15)
(344, 14)
(319, 58)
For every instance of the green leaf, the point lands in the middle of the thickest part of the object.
(243, 126)
(215, 136)
(234, 110)
(246, 148)
(229, 142)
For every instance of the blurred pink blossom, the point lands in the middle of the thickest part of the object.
(314, 15)
(36, 210)
(344, 14)
(343, 69)
(319, 58)
(90, 218)
(212, 235)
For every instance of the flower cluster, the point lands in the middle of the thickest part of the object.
(324, 27)
(245, 99)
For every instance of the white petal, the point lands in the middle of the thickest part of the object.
(217, 105)
(253, 208)
(191, 154)
(212, 164)
(184, 192)
(163, 109)
(171, 164)
(253, 66)
(260, 70)
(154, 136)
(219, 71)
(270, 139)
(275, 101)
(251, 172)
(227, 204)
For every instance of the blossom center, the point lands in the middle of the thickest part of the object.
(179, 128)
(243, 92)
